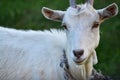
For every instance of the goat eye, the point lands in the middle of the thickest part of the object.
(95, 25)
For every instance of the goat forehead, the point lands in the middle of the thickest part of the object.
(85, 9)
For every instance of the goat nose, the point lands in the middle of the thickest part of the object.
(78, 53)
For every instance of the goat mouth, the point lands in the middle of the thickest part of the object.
(78, 61)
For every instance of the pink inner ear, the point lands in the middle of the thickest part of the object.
(108, 12)
(48, 13)
(111, 9)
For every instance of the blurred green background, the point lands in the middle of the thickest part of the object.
(26, 14)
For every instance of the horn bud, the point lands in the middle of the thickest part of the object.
(72, 3)
(90, 2)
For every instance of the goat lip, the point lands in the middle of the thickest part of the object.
(78, 61)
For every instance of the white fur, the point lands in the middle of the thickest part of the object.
(35, 55)
(25, 55)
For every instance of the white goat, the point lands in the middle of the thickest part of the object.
(35, 55)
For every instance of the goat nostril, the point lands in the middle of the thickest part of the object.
(78, 53)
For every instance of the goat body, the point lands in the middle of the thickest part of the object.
(31, 55)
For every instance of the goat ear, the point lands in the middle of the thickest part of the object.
(95, 60)
(108, 11)
(53, 14)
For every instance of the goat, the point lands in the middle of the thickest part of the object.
(36, 55)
